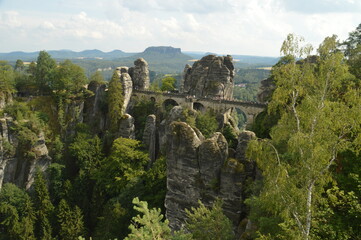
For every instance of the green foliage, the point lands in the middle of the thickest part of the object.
(7, 78)
(44, 72)
(149, 226)
(97, 77)
(247, 93)
(141, 110)
(209, 223)
(249, 75)
(43, 208)
(112, 220)
(231, 136)
(14, 196)
(19, 65)
(318, 107)
(87, 152)
(168, 84)
(69, 78)
(70, 221)
(207, 123)
(125, 164)
(115, 101)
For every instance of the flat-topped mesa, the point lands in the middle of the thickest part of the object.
(140, 74)
(211, 77)
(163, 50)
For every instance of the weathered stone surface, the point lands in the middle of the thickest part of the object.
(211, 76)
(126, 127)
(95, 110)
(265, 90)
(15, 168)
(127, 86)
(212, 154)
(150, 137)
(73, 111)
(140, 74)
(234, 177)
(203, 170)
(182, 172)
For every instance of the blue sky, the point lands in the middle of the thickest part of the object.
(250, 27)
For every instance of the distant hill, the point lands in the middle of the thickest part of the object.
(160, 59)
(66, 54)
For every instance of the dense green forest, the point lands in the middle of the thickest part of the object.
(102, 186)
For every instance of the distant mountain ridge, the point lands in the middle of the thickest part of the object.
(65, 54)
(164, 59)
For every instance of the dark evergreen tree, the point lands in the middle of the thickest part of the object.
(43, 208)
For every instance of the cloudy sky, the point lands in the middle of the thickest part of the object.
(249, 27)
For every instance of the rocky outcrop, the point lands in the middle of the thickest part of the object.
(234, 177)
(140, 74)
(126, 127)
(211, 76)
(127, 86)
(15, 167)
(150, 137)
(95, 108)
(203, 169)
(265, 90)
(183, 190)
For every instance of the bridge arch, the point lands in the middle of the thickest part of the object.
(199, 106)
(169, 103)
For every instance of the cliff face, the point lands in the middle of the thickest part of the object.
(211, 76)
(95, 108)
(202, 169)
(14, 166)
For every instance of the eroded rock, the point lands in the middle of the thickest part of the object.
(211, 76)
(140, 74)
(14, 166)
(126, 127)
(150, 137)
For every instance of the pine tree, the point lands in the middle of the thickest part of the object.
(43, 208)
(70, 221)
(26, 231)
(209, 223)
(149, 226)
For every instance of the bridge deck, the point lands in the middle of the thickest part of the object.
(195, 99)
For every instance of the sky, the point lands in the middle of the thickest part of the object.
(245, 27)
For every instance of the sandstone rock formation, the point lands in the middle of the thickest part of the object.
(126, 127)
(140, 74)
(202, 169)
(127, 86)
(265, 90)
(211, 76)
(14, 167)
(95, 110)
(150, 137)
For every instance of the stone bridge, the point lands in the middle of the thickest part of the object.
(250, 109)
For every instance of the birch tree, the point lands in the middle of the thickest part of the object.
(320, 108)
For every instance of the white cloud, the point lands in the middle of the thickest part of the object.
(255, 27)
(10, 19)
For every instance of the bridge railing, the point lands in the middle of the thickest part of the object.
(195, 99)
